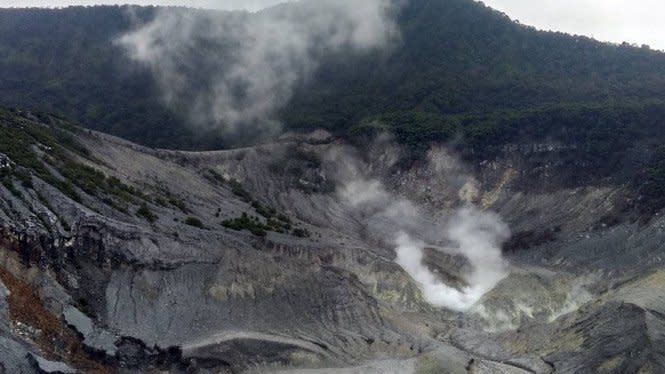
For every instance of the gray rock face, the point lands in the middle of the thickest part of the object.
(17, 357)
(14, 357)
(621, 338)
(177, 296)
(93, 337)
(50, 367)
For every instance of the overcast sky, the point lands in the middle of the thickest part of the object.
(635, 21)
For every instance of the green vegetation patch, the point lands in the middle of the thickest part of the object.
(194, 222)
(145, 212)
(179, 203)
(301, 233)
(36, 148)
(260, 227)
(245, 222)
(240, 191)
(650, 184)
(268, 219)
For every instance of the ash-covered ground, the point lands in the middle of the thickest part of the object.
(285, 258)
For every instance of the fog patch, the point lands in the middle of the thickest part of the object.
(233, 70)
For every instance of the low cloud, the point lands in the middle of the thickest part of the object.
(234, 69)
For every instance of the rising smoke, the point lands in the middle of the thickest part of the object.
(233, 69)
(474, 234)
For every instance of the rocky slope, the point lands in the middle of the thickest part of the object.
(119, 258)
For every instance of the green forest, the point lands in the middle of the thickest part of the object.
(462, 71)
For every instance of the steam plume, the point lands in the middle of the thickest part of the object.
(479, 236)
(230, 69)
(475, 234)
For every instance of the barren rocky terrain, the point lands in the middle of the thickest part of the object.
(248, 261)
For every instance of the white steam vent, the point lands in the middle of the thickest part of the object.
(476, 235)
(479, 236)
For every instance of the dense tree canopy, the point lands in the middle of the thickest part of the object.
(460, 68)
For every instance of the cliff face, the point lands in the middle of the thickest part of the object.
(123, 258)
